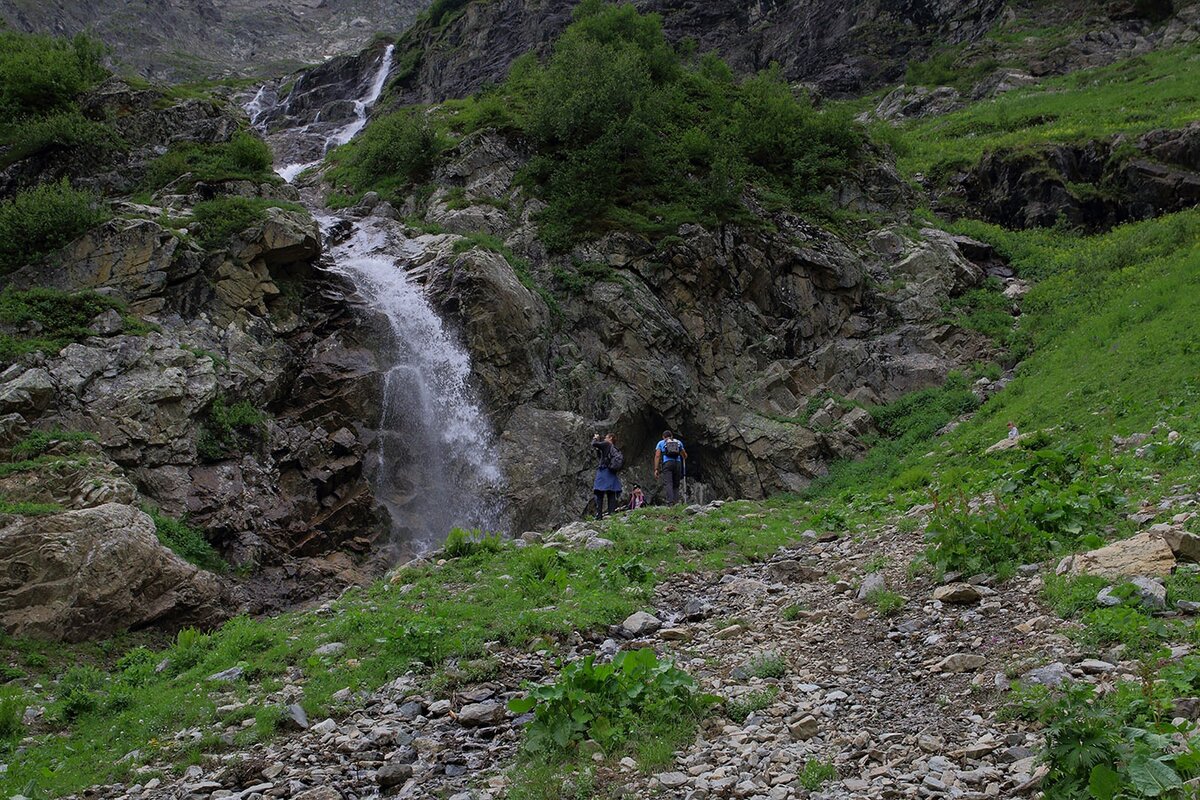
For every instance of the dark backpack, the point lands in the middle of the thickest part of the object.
(616, 460)
(672, 448)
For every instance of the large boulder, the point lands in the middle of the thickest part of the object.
(94, 572)
(1144, 554)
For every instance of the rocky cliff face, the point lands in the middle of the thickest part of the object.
(839, 47)
(177, 41)
(254, 321)
(734, 337)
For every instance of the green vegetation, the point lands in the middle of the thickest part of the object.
(221, 218)
(38, 442)
(737, 709)
(816, 774)
(41, 79)
(230, 429)
(53, 318)
(768, 665)
(461, 543)
(607, 703)
(1157, 90)
(886, 602)
(43, 74)
(243, 157)
(40, 220)
(630, 133)
(186, 542)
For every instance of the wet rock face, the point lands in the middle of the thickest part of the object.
(724, 335)
(840, 47)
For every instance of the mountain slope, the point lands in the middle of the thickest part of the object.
(179, 41)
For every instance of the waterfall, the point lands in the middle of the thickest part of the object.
(436, 464)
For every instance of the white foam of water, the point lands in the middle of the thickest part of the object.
(257, 105)
(437, 463)
(290, 172)
(363, 105)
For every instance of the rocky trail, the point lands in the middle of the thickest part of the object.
(902, 703)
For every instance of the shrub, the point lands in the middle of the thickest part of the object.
(230, 429)
(60, 317)
(243, 157)
(395, 151)
(887, 603)
(12, 710)
(79, 691)
(461, 543)
(65, 130)
(186, 542)
(816, 774)
(741, 707)
(42, 74)
(768, 665)
(223, 217)
(42, 219)
(607, 702)
(38, 442)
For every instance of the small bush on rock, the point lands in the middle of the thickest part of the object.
(243, 157)
(40, 220)
(186, 542)
(223, 217)
(608, 702)
(41, 74)
(230, 429)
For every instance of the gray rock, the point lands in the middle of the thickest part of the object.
(961, 662)
(1052, 675)
(672, 780)
(640, 623)
(873, 582)
(393, 774)
(294, 718)
(489, 712)
(330, 649)
(230, 675)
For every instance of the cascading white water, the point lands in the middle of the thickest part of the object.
(436, 465)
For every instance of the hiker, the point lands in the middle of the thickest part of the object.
(670, 456)
(637, 498)
(1013, 433)
(607, 484)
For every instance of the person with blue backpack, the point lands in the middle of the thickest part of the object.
(670, 457)
(607, 484)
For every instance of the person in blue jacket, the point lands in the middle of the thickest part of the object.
(670, 463)
(607, 484)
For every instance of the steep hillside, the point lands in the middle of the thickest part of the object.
(842, 315)
(182, 41)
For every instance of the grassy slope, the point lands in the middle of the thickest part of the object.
(1112, 319)
(1159, 90)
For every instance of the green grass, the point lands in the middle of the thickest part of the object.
(37, 221)
(58, 317)
(1158, 90)
(243, 157)
(186, 542)
(512, 596)
(221, 218)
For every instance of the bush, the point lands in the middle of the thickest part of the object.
(395, 151)
(12, 711)
(42, 219)
(607, 702)
(816, 774)
(186, 542)
(461, 543)
(80, 692)
(43, 74)
(230, 429)
(38, 442)
(65, 130)
(60, 317)
(243, 157)
(221, 218)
